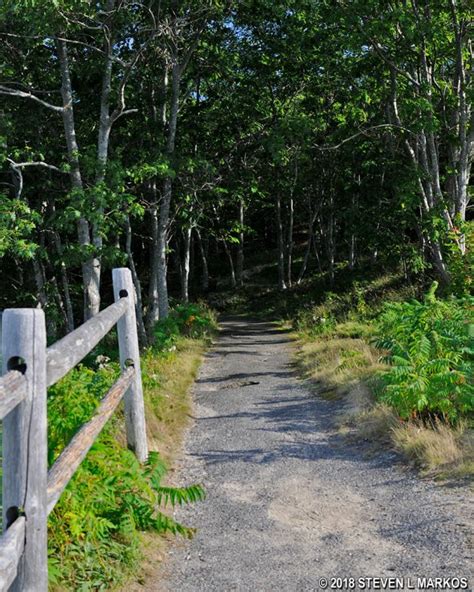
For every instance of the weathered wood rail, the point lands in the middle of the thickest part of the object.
(30, 491)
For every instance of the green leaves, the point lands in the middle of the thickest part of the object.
(17, 224)
(94, 529)
(430, 357)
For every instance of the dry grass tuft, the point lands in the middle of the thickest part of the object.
(336, 363)
(377, 424)
(438, 449)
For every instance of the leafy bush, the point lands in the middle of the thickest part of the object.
(430, 354)
(193, 320)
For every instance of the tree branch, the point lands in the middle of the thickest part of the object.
(17, 166)
(362, 133)
(12, 92)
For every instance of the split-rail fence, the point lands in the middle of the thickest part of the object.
(30, 491)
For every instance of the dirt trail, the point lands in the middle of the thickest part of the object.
(288, 501)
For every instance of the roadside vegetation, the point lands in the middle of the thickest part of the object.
(401, 363)
(95, 531)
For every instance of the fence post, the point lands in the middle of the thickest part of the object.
(130, 354)
(25, 443)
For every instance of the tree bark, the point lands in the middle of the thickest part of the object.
(142, 334)
(240, 247)
(330, 244)
(153, 309)
(186, 264)
(205, 267)
(91, 279)
(65, 283)
(281, 245)
(289, 245)
(233, 281)
(165, 207)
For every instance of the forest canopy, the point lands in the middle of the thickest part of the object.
(177, 137)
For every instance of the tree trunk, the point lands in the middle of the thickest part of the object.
(153, 310)
(40, 283)
(306, 259)
(103, 140)
(69, 312)
(330, 244)
(91, 279)
(165, 207)
(289, 244)
(313, 215)
(186, 264)
(205, 267)
(352, 252)
(233, 280)
(142, 335)
(428, 180)
(240, 248)
(281, 245)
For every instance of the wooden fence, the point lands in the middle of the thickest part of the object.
(30, 491)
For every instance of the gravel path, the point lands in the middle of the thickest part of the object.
(288, 500)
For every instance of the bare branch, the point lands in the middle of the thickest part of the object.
(42, 164)
(13, 92)
(126, 112)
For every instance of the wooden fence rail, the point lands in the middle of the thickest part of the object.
(30, 492)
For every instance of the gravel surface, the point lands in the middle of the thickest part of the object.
(288, 499)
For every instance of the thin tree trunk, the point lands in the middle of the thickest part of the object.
(103, 141)
(352, 252)
(305, 260)
(227, 251)
(205, 267)
(91, 279)
(281, 245)
(165, 207)
(69, 312)
(159, 117)
(240, 248)
(142, 335)
(330, 244)
(186, 264)
(153, 309)
(311, 240)
(291, 218)
(40, 283)
(289, 246)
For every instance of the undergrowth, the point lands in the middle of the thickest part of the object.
(402, 367)
(94, 531)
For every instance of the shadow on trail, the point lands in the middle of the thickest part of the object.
(295, 417)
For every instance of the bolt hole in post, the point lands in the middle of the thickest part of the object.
(17, 363)
(129, 363)
(11, 515)
(123, 293)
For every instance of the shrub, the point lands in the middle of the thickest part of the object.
(430, 354)
(193, 320)
(111, 498)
